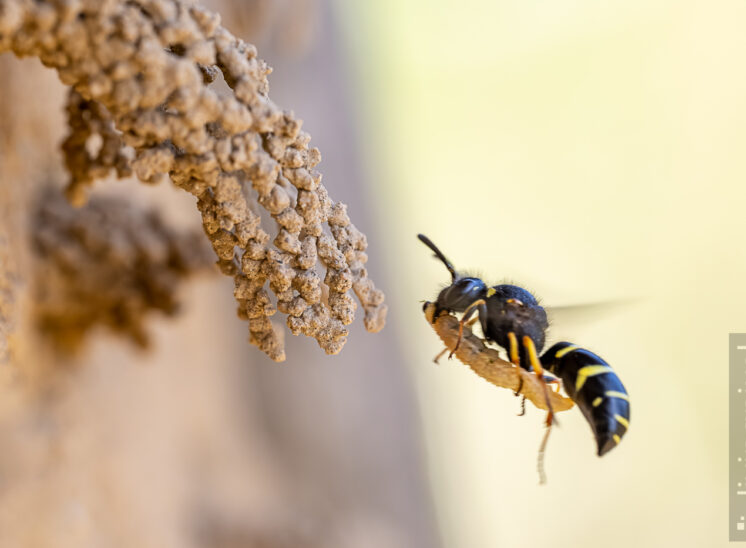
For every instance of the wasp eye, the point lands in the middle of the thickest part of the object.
(467, 285)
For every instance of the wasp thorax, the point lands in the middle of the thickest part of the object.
(512, 294)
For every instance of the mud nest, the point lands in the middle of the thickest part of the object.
(145, 99)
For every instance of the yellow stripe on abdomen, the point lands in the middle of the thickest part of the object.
(565, 350)
(589, 371)
(615, 394)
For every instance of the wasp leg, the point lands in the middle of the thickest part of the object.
(471, 322)
(468, 324)
(514, 349)
(557, 383)
(536, 364)
(476, 306)
(539, 371)
(440, 355)
(523, 406)
(545, 439)
(516, 360)
(540, 459)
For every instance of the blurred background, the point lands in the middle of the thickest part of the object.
(591, 153)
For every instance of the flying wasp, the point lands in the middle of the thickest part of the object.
(511, 317)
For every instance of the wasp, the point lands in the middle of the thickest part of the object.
(512, 318)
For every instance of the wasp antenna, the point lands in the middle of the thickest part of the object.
(425, 240)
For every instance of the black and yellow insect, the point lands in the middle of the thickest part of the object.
(593, 385)
(511, 317)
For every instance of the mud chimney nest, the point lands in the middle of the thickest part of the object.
(143, 102)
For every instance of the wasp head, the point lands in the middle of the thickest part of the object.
(462, 292)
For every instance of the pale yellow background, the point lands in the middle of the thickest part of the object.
(590, 151)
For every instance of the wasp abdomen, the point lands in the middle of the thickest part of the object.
(595, 388)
